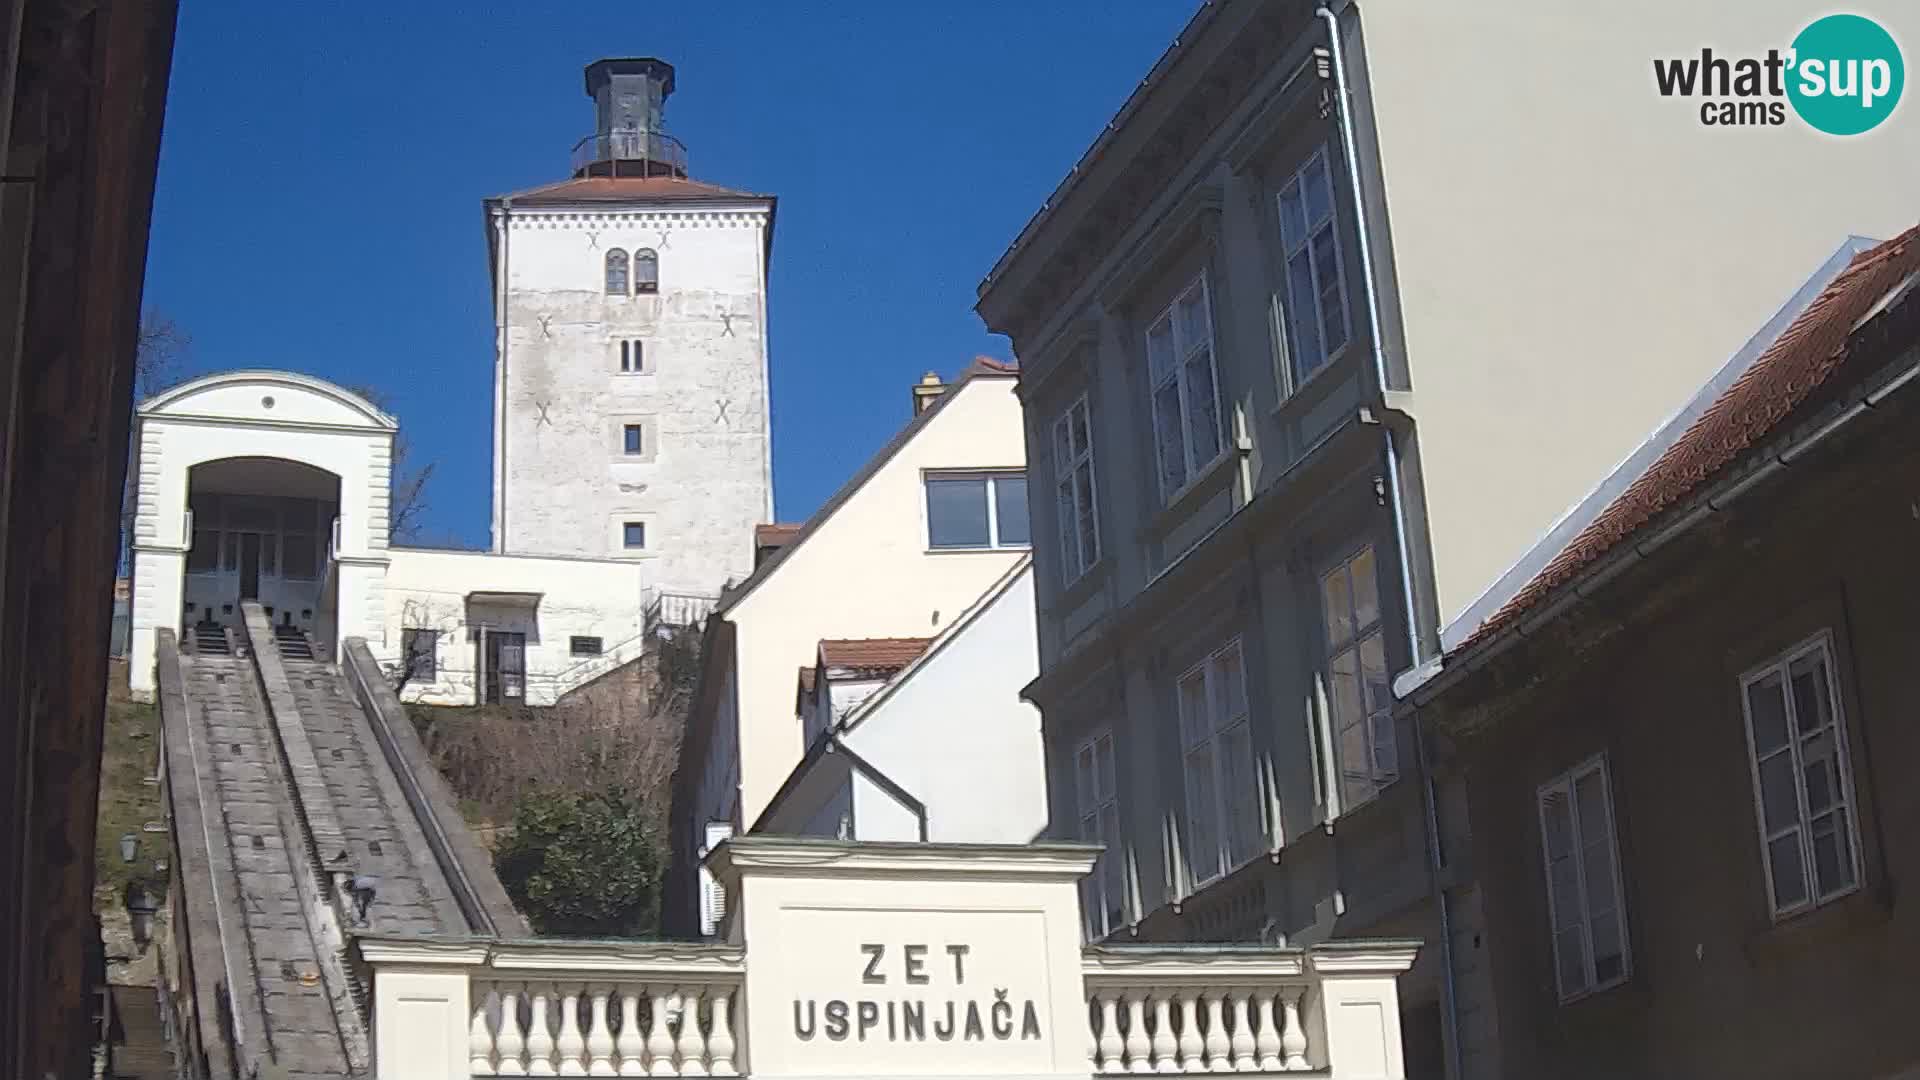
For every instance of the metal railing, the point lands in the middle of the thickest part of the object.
(669, 611)
(649, 148)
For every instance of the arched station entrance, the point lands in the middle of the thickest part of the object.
(262, 529)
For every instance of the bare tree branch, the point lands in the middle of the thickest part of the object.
(407, 506)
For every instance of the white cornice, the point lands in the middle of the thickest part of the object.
(1192, 964)
(796, 857)
(422, 951)
(1363, 958)
(672, 960)
(216, 420)
(576, 217)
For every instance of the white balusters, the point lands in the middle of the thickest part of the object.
(1164, 1047)
(599, 1035)
(720, 1040)
(1293, 1037)
(659, 1043)
(1110, 1045)
(539, 1035)
(1216, 1035)
(580, 1029)
(479, 1036)
(1190, 1045)
(1138, 1049)
(1242, 1046)
(1267, 1043)
(1195, 1029)
(632, 1045)
(511, 1046)
(571, 1047)
(693, 1045)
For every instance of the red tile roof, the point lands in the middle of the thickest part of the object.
(872, 654)
(775, 534)
(591, 189)
(1798, 361)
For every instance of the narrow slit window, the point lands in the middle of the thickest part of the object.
(633, 441)
(632, 356)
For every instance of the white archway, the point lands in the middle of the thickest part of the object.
(248, 431)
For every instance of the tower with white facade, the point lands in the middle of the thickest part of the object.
(630, 389)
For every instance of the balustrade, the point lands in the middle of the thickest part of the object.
(587, 1028)
(1190, 1030)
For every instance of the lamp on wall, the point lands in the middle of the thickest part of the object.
(129, 847)
(140, 910)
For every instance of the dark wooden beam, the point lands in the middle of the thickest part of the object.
(86, 103)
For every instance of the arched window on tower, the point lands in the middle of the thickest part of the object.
(616, 273)
(646, 271)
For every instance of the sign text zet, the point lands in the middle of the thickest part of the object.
(910, 1015)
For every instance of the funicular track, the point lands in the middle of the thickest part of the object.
(302, 819)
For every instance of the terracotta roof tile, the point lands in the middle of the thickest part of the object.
(775, 534)
(625, 189)
(806, 680)
(1797, 363)
(872, 654)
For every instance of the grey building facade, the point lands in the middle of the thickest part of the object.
(1221, 485)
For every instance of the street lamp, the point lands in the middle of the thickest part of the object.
(129, 847)
(140, 910)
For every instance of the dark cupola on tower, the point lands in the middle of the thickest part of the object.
(630, 134)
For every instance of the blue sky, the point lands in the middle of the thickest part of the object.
(322, 169)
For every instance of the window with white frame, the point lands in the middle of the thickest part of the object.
(713, 895)
(1078, 506)
(1103, 893)
(1223, 812)
(977, 510)
(1186, 401)
(1360, 696)
(1585, 904)
(1316, 292)
(1802, 778)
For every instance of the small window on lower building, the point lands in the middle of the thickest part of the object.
(632, 441)
(1802, 778)
(583, 646)
(1586, 909)
(632, 356)
(633, 535)
(418, 650)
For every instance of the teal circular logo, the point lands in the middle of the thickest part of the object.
(1846, 74)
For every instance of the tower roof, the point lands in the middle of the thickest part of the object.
(620, 189)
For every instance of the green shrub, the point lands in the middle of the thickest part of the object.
(582, 864)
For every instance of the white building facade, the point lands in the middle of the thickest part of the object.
(943, 750)
(630, 434)
(902, 550)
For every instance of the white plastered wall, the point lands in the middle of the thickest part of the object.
(1575, 253)
(428, 589)
(563, 485)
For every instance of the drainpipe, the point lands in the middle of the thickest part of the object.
(1343, 103)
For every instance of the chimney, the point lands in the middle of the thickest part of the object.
(926, 391)
(630, 132)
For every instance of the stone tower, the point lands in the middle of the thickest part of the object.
(630, 377)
